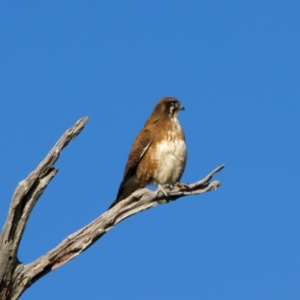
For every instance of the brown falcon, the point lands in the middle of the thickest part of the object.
(158, 154)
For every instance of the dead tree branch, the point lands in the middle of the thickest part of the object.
(15, 277)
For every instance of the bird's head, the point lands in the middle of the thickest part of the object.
(169, 107)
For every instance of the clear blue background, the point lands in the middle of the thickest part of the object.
(234, 65)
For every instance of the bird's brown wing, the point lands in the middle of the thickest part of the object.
(137, 152)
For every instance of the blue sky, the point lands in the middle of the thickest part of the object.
(234, 65)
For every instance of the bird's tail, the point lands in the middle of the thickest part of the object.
(120, 196)
(115, 202)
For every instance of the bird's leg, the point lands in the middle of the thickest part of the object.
(161, 189)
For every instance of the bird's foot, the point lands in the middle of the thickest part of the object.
(168, 186)
(182, 186)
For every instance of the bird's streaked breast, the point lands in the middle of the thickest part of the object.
(170, 156)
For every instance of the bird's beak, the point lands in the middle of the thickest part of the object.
(181, 107)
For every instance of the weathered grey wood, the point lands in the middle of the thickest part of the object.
(24, 198)
(15, 277)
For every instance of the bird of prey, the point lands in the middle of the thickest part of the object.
(158, 155)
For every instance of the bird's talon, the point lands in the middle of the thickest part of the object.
(182, 186)
(167, 186)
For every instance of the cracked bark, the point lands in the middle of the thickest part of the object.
(16, 277)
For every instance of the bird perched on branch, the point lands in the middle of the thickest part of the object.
(158, 154)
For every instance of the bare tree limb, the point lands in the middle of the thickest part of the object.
(24, 198)
(15, 277)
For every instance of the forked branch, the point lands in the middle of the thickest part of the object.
(15, 277)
